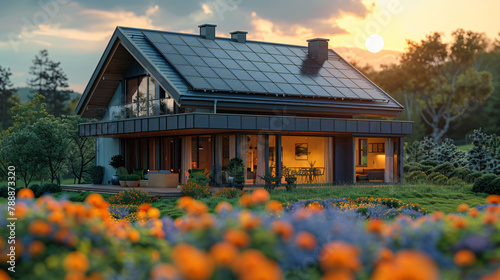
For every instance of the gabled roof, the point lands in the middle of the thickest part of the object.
(190, 66)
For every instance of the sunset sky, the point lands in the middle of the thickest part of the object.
(76, 32)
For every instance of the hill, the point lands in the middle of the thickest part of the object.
(26, 93)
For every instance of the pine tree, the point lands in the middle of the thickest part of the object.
(50, 81)
(7, 97)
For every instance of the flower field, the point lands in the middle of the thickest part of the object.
(361, 238)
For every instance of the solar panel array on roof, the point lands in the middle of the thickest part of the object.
(251, 67)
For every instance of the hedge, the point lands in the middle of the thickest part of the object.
(485, 183)
(445, 168)
(416, 177)
(472, 177)
(461, 173)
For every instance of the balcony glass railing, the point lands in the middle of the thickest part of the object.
(144, 108)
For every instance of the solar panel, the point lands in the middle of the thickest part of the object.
(225, 65)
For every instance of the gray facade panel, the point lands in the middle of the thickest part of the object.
(314, 125)
(99, 129)
(201, 121)
(374, 127)
(144, 125)
(113, 128)
(163, 123)
(138, 125)
(363, 127)
(93, 129)
(351, 126)
(327, 125)
(189, 121)
(87, 130)
(396, 128)
(181, 122)
(105, 128)
(340, 126)
(263, 123)
(301, 124)
(407, 128)
(289, 124)
(385, 127)
(81, 130)
(172, 122)
(248, 122)
(218, 121)
(276, 123)
(234, 122)
(154, 124)
(128, 127)
(121, 127)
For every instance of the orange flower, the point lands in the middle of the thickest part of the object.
(134, 235)
(75, 275)
(252, 264)
(76, 261)
(184, 202)
(437, 216)
(192, 263)
(474, 212)
(246, 200)
(375, 226)
(158, 232)
(459, 222)
(21, 210)
(464, 258)
(96, 200)
(4, 275)
(25, 193)
(490, 218)
(142, 215)
(223, 206)
(237, 237)
(144, 207)
(315, 207)
(39, 228)
(493, 199)
(283, 229)
(306, 241)
(155, 256)
(153, 213)
(338, 274)
(164, 271)
(36, 248)
(463, 207)
(95, 276)
(492, 276)
(260, 196)
(56, 217)
(385, 255)
(249, 220)
(223, 253)
(338, 254)
(196, 208)
(274, 206)
(407, 265)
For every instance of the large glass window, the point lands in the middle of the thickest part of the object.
(201, 152)
(145, 97)
(376, 159)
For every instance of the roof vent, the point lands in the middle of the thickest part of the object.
(318, 49)
(207, 31)
(239, 36)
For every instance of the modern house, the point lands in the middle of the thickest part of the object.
(173, 101)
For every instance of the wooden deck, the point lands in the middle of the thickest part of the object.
(112, 189)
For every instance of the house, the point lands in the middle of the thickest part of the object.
(174, 101)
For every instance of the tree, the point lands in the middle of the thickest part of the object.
(81, 151)
(482, 157)
(50, 81)
(443, 77)
(27, 114)
(53, 143)
(21, 150)
(7, 97)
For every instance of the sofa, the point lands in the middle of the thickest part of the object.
(163, 179)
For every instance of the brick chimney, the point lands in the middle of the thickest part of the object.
(318, 49)
(207, 31)
(239, 36)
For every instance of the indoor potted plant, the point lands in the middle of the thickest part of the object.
(234, 168)
(97, 173)
(131, 180)
(116, 162)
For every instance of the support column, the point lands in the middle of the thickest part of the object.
(232, 146)
(328, 159)
(261, 159)
(344, 160)
(186, 158)
(399, 161)
(278, 156)
(389, 160)
(218, 159)
(243, 144)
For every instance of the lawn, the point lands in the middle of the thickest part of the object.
(20, 183)
(432, 198)
(465, 147)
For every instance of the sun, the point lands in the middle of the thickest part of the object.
(374, 43)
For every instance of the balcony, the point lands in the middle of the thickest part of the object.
(143, 108)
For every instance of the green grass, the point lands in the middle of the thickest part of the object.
(20, 183)
(432, 198)
(465, 147)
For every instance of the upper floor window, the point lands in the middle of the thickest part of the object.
(145, 97)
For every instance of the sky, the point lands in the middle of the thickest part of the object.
(75, 32)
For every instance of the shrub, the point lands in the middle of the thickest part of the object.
(96, 172)
(4, 191)
(454, 181)
(229, 193)
(195, 190)
(461, 173)
(472, 177)
(45, 188)
(416, 177)
(79, 196)
(483, 156)
(122, 171)
(199, 178)
(131, 196)
(429, 162)
(495, 186)
(440, 180)
(117, 161)
(129, 177)
(445, 168)
(36, 190)
(484, 183)
(431, 176)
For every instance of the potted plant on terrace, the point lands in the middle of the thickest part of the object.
(270, 180)
(239, 177)
(116, 162)
(235, 168)
(97, 173)
(131, 180)
(290, 179)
